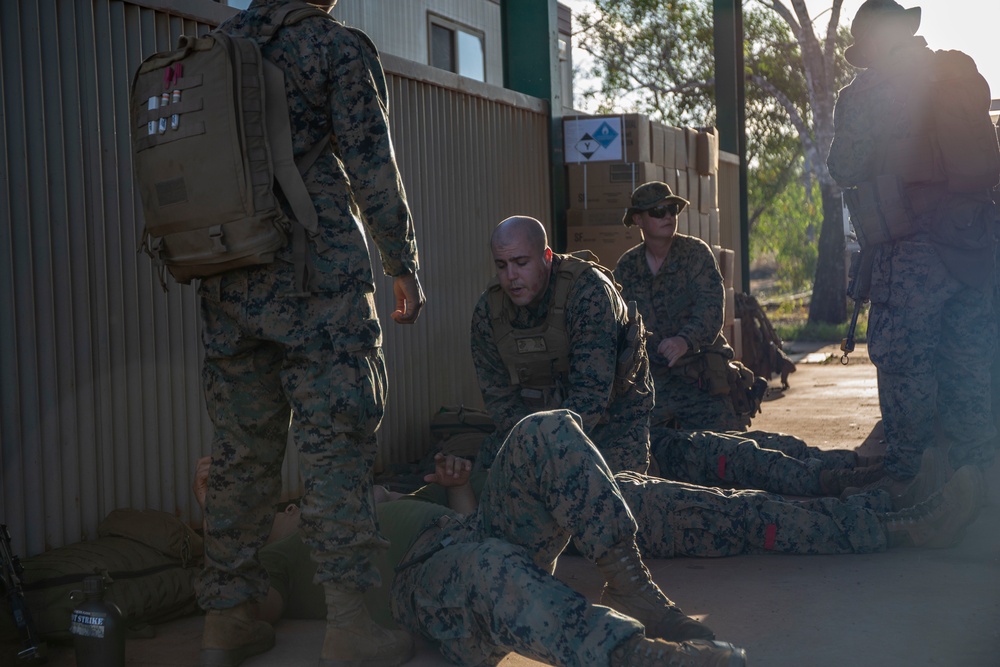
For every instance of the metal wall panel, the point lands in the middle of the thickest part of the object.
(99, 368)
(400, 28)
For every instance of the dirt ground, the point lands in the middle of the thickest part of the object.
(902, 608)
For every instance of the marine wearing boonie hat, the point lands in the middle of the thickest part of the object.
(879, 20)
(648, 195)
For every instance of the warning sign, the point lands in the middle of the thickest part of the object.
(592, 139)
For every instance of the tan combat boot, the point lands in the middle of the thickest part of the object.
(934, 472)
(631, 591)
(835, 482)
(642, 652)
(353, 639)
(233, 635)
(939, 521)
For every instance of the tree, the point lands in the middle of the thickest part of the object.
(655, 56)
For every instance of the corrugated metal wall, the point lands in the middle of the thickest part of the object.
(99, 369)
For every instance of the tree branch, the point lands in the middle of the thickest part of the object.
(832, 29)
(793, 113)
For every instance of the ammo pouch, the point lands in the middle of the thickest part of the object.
(746, 390)
(707, 369)
(632, 358)
(880, 211)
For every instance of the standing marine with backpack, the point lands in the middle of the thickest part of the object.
(273, 351)
(917, 155)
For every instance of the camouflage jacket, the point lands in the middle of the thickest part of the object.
(685, 298)
(595, 318)
(336, 87)
(922, 116)
(875, 109)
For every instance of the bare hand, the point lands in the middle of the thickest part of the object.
(200, 486)
(449, 470)
(673, 349)
(409, 298)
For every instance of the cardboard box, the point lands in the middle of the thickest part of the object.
(693, 183)
(714, 230)
(680, 148)
(670, 178)
(608, 184)
(691, 138)
(608, 242)
(727, 265)
(704, 227)
(708, 151)
(656, 143)
(683, 223)
(610, 138)
(682, 186)
(736, 340)
(730, 311)
(708, 192)
(671, 137)
(591, 217)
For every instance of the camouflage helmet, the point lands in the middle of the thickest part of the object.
(648, 195)
(878, 20)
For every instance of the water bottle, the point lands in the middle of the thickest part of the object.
(98, 627)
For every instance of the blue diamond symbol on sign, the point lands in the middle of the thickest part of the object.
(604, 135)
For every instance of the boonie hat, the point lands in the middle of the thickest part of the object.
(875, 20)
(648, 195)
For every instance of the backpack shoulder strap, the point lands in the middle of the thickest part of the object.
(287, 171)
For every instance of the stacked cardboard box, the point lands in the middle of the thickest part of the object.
(732, 328)
(609, 156)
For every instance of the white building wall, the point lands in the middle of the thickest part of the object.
(400, 27)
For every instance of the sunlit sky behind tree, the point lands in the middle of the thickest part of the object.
(972, 26)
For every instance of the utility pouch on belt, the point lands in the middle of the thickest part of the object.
(632, 359)
(879, 211)
(716, 373)
(746, 390)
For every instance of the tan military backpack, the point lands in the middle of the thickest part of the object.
(210, 138)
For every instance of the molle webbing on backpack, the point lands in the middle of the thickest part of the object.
(951, 149)
(211, 137)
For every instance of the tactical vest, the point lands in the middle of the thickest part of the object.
(950, 148)
(538, 358)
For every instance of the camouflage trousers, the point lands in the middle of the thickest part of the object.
(721, 459)
(277, 367)
(677, 519)
(490, 590)
(928, 335)
(682, 403)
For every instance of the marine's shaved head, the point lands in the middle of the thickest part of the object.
(522, 258)
(520, 228)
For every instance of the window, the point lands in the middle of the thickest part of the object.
(456, 48)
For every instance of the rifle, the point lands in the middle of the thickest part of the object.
(858, 290)
(33, 650)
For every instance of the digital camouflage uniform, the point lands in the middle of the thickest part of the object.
(685, 298)
(678, 520)
(931, 313)
(783, 464)
(270, 354)
(595, 317)
(480, 586)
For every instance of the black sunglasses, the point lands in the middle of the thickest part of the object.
(662, 211)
